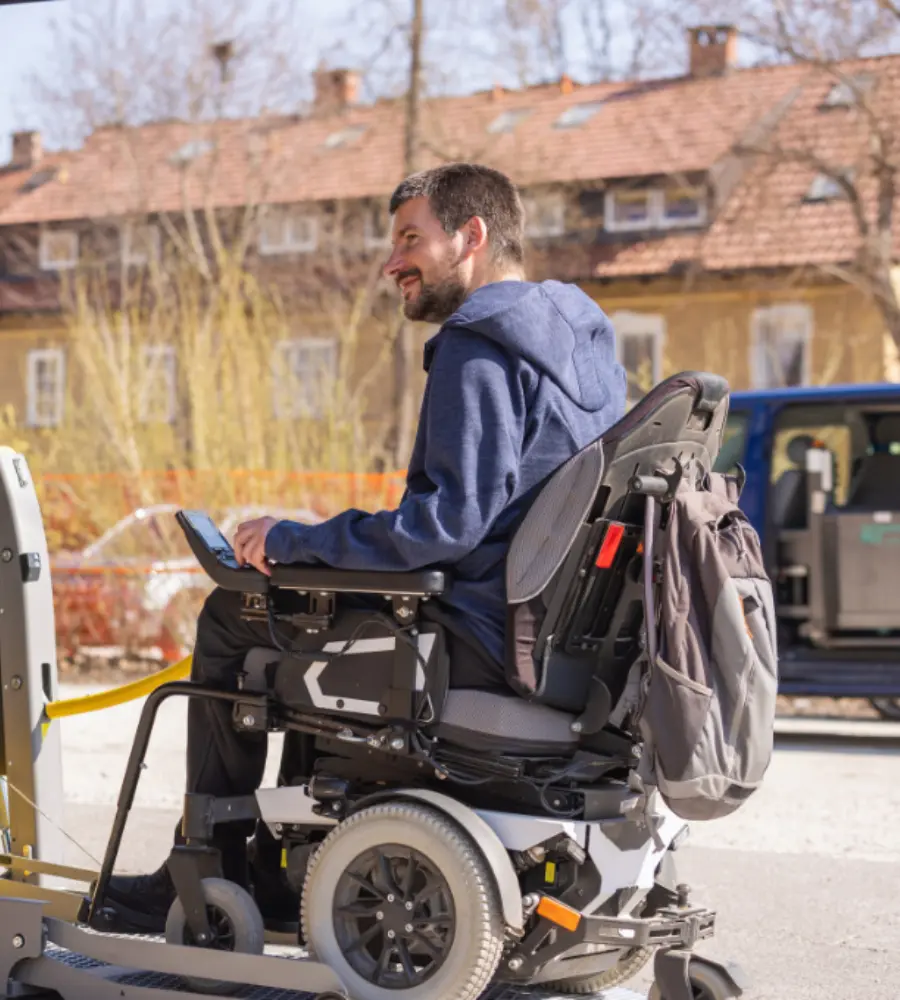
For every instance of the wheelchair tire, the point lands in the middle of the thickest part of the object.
(236, 923)
(708, 984)
(401, 905)
(631, 964)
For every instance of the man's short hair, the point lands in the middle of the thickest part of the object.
(458, 191)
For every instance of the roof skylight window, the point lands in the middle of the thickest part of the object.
(507, 121)
(578, 114)
(344, 136)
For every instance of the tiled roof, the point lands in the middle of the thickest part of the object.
(768, 222)
(661, 127)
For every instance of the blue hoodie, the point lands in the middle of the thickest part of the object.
(521, 377)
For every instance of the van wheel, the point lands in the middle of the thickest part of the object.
(887, 708)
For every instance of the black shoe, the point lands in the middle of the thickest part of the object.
(142, 902)
(277, 902)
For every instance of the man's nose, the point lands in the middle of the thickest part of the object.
(394, 264)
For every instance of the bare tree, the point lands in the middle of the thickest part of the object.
(830, 37)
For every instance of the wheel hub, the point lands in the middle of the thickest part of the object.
(394, 917)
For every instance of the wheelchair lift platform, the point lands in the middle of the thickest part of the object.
(47, 957)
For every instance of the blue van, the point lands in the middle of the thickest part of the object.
(823, 491)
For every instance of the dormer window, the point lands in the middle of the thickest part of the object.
(654, 208)
(628, 210)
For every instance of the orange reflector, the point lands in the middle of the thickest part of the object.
(610, 545)
(558, 913)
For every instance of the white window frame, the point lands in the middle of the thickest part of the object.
(137, 252)
(627, 323)
(290, 220)
(157, 359)
(299, 408)
(372, 240)
(789, 312)
(552, 204)
(66, 264)
(656, 210)
(35, 358)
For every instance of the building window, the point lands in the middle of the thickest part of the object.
(58, 249)
(780, 341)
(45, 387)
(344, 136)
(628, 210)
(377, 228)
(639, 348)
(682, 207)
(303, 370)
(156, 399)
(140, 245)
(654, 208)
(285, 231)
(545, 215)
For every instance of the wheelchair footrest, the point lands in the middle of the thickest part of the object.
(669, 928)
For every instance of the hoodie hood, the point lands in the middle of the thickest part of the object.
(555, 327)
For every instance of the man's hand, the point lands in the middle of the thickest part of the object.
(250, 543)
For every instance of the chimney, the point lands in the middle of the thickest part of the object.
(26, 150)
(336, 90)
(713, 49)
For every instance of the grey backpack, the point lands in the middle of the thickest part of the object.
(706, 708)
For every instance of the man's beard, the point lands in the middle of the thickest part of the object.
(436, 302)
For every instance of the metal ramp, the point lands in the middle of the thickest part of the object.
(52, 958)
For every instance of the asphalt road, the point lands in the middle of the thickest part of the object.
(805, 878)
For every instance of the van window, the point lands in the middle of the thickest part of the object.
(828, 427)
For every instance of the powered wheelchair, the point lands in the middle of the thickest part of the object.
(449, 840)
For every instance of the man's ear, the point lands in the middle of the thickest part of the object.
(475, 235)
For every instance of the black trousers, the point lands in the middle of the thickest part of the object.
(222, 761)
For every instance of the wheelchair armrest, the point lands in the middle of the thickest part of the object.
(423, 583)
(216, 556)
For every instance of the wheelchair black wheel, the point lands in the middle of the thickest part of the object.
(630, 964)
(400, 903)
(707, 983)
(236, 925)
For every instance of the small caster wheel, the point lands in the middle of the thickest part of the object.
(707, 984)
(236, 925)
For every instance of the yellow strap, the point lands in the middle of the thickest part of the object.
(118, 696)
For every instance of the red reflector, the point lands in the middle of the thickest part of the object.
(610, 545)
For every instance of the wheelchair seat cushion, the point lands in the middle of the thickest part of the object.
(496, 722)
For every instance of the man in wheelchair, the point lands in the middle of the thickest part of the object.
(522, 376)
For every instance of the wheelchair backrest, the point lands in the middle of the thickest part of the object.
(574, 568)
